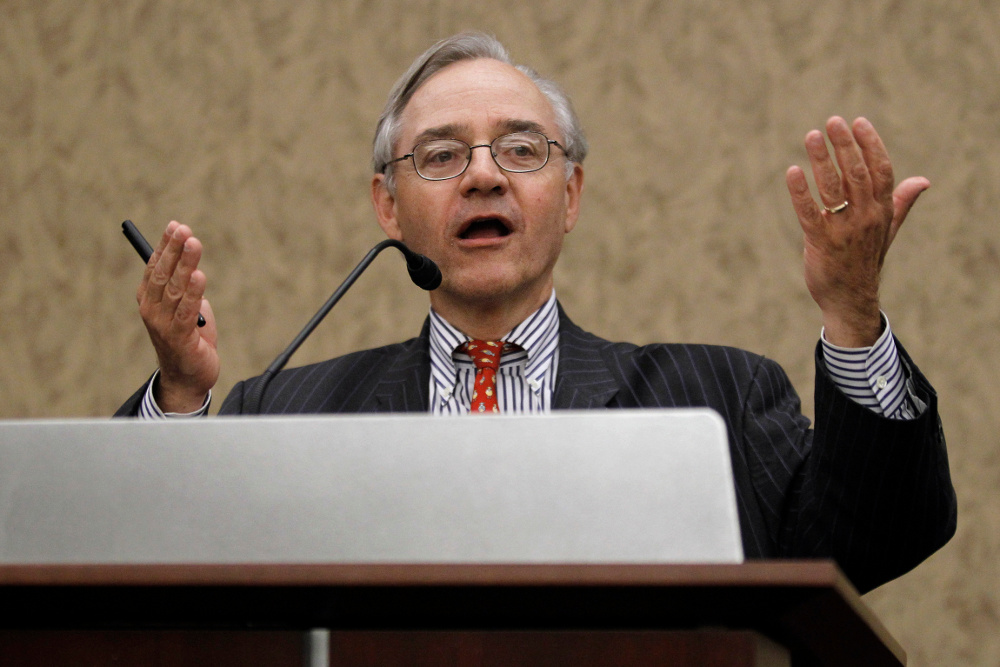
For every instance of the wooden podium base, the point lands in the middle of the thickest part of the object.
(149, 648)
(757, 613)
(696, 648)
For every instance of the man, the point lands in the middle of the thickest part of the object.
(478, 165)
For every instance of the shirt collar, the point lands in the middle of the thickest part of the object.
(538, 335)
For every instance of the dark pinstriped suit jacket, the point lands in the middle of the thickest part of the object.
(874, 494)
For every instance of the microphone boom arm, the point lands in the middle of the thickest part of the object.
(415, 263)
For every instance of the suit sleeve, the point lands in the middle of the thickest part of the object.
(873, 493)
(130, 408)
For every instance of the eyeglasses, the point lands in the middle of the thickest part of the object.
(441, 159)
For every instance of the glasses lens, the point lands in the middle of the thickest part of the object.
(521, 151)
(441, 158)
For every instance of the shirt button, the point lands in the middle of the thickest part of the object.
(881, 382)
(535, 385)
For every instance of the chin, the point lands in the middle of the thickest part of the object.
(479, 287)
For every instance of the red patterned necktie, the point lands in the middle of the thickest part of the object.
(486, 357)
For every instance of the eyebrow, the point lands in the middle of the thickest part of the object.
(453, 130)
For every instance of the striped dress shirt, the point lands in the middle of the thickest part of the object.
(526, 376)
(873, 376)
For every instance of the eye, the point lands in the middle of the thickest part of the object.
(438, 156)
(520, 151)
(517, 147)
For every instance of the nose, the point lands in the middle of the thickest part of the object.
(483, 174)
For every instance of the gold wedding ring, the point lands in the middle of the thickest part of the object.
(836, 209)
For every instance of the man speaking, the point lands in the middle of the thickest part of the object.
(479, 165)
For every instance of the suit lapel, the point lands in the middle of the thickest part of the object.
(584, 379)
(404, 386)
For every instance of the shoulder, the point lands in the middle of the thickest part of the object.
(674, 374)
(361, 360)
(342, 384)
(677, 357)
(702, 374)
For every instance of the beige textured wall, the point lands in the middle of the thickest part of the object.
(252, 123)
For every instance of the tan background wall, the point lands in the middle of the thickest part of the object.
(252, 123)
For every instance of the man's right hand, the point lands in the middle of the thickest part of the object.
(170, 297)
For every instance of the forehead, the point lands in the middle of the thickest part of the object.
(477, 98)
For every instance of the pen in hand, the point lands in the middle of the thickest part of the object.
(145, 250)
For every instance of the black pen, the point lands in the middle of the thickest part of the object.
(145, 250)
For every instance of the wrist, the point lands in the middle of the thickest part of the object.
(854, 331)
(172, 397)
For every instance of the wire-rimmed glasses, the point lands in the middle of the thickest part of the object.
(441, 159)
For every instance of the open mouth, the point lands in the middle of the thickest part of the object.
(485, 228)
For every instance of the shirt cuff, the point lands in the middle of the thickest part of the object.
(873, 376)
(148, 409)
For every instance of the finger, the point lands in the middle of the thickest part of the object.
(876, 159)
(828, 181)
(857, 184)
(190, 304)
(166, 263)
(158, 250)
(179, 286)
(141, 291)
(802, 200)
(903, 199)
(205, 310)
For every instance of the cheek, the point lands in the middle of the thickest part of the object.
(550, 199)
(424, 212)
(412, 221)
(552, 212)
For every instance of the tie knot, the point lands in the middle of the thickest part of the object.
(484, 353)
(486, 357)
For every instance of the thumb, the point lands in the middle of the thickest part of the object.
(903, 198)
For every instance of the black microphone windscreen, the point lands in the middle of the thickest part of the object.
(423, 271)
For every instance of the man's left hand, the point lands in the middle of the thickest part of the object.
(844, 246)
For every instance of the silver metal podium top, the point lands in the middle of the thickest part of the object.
(650, 486)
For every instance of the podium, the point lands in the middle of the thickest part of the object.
(756, 613)
(389, 541)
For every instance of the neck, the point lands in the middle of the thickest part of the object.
(487, 320)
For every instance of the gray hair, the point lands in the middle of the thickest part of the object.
(468, 46)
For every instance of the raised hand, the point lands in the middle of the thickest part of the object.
(848, 232)
(170, 297)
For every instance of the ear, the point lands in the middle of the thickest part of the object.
(385, 207)
(574, 190)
